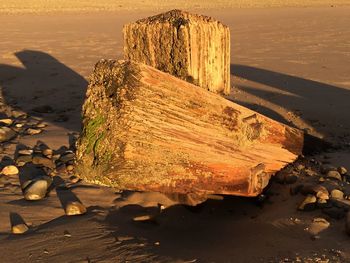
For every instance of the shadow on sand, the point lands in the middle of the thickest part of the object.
(318, 104)
(211, 232)
(44, 81)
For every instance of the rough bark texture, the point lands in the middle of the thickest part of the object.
(191, 47)
(147, 130)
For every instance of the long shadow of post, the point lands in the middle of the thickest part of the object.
(324, 107)
(44, 81)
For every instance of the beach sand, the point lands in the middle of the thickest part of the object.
(289, 61)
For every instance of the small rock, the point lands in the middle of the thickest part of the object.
(318, 190)
(310, 172)
(142, 218)
(66, 234)
(43, 109)
(318, 225)
(337, 194)
(342, 170)
(61, 169)
(75, 208)
(48, 153)
(43, 161)
(31, 122)
(70, 168)
(36, 189)
(347, 223)
(25, 152)
(10, 170)
(55, 157)
(19, 228)
(23, 159)
(334, 212)
(300, 167)
(31, 131)
(161, 208)
(67, 157)
(18, 114)
(19, 125)
(308, 204)
(6, 134)
(7, 122)
(326, 168)
(322, 195)
(41, 125)
(334, 174)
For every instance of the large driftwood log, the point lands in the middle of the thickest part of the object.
(192, 47)
(147, 130)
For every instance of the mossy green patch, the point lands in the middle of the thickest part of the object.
(92, 133)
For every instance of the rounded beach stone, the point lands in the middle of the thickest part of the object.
(334, 174)
(6, 134)
(342, 170)
(75, 208)
(10, 170)
(318, 225)
(337, 194)
(36, 189)
(308, 204)
(19, 229)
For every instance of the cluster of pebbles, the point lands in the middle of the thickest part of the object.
(38, 169)
(325, 187)
(18, 123)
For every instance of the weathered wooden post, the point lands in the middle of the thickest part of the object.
(192, 47)
(147, 130)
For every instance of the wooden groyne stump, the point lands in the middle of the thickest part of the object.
(147, 130)
(192, 47)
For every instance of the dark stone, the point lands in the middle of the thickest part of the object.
(40, 160)
(6, 134)
(334, 175)
(37, 189)
(23, 159)
(308, 204)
